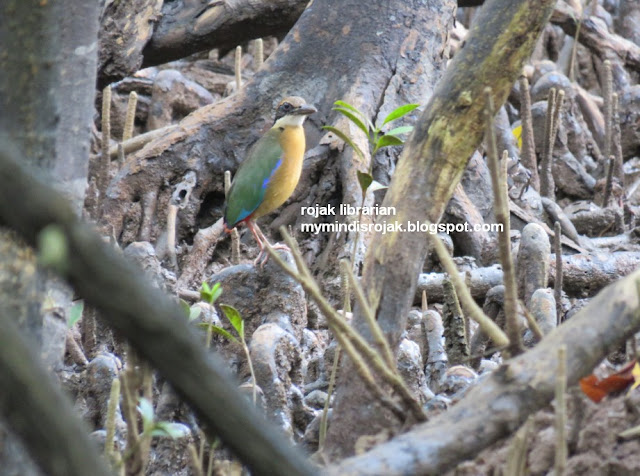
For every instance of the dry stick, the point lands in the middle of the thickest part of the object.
(528, 143)
(238, 67)
(196, 465)
(376, 331)
(258, 53)
(517, 457)
(533, 324)
(105, 158)
(127, 131)
(235, 237)
(112, 407)
(609, 183)
(501, 206)
(607, 96)
(342, 329)
(172, 213)
(121, 154)
(574, 50)
(547, 186)
(346, 306)
(472, 309)
(557, 287)
(139, 141)
(617, 142)
(561, 412)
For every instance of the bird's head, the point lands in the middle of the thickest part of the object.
(292, 111)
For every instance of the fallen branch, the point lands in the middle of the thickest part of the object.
(501, 403)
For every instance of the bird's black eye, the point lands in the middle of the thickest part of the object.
(286, 107)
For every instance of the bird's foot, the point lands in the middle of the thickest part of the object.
(263, 256)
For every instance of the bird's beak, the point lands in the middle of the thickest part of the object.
(305, 110)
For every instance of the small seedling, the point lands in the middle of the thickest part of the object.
(236, 321)
(151, 427)
(210, 294)
(376, 137)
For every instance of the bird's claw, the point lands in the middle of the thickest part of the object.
(263, 256)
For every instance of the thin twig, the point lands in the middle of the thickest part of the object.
(617, 142)
(129, 120)
(517, 457)
(547, 185)
(238, 67)
(472, 309)
(172, 213)
(105, 159)
(608, 187)
(258, 54)
(342, 329)
(607, 96)
(557, 289)
(501, 206)
(112, 407)
(235, 237)
(561, 412)
(528, 144)
(533, 324)
(376, 331)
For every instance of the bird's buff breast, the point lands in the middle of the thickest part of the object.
(286, 177)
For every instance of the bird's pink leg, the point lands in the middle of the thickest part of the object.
(263, 256)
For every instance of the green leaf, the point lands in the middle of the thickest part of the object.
(210, 293)
(387, 140)
(75, 314)
(399, 130)
(353, 118)
(216, 291)
(194, 312)
(399, 112)
(346, 105)
(146, 412)
(171, 430)
(234, 318)
(218, 330)
(345, 138)
(184, 305)
(365, 180)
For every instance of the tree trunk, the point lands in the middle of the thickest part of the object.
(47, 79)
(432, 162)
(375, 55)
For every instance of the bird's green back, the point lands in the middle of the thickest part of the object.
(252, 178)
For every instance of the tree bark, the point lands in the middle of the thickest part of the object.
(125, 30)
(431, 164)
(193, 26)
(47, 80)
(498, 405)
(378, 58)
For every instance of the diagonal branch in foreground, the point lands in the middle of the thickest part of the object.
(150, 320)
(497, 406)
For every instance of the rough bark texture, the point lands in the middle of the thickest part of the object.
(47, 79)
(381, 55)
(125, 29)
(432, 162)
(498, 406)
(190, 26)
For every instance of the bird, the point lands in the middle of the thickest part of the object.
(270, 172)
